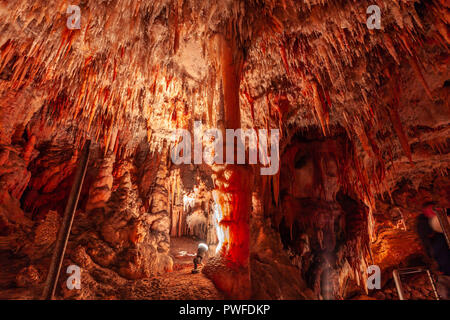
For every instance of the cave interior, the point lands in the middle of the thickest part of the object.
(363, 123)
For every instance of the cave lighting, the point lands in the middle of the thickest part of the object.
(221, 231)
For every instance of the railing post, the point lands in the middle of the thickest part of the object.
(66, 226)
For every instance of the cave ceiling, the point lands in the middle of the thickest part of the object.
(137, 69)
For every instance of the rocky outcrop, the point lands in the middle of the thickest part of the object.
(14, 175)
(272, 274)
(101, 188)
(27, 277)
(126, 239)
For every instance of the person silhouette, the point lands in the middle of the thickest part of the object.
(201, 252)
(433, 240)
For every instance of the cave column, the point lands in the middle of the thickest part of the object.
(101, 188)
(160, 206)
(232, 182)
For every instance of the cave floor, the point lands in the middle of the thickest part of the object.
(177, 285)
(180, 284)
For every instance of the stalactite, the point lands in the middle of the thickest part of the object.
(320, 107)
(284, 58)
(415, 65)
(398, 127)
(363, 139)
